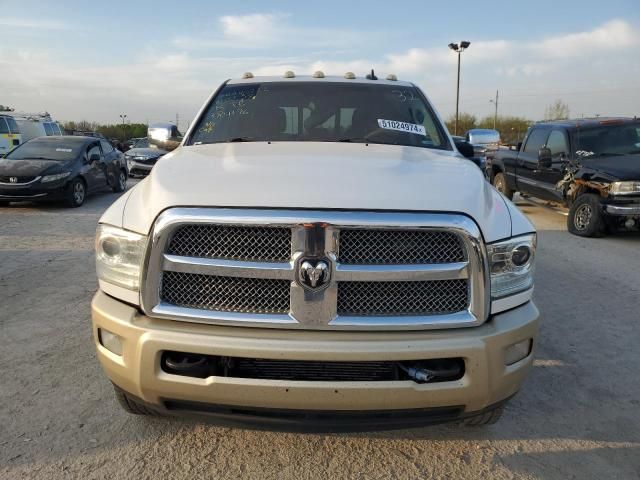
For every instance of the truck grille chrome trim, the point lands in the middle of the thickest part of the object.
(256, 286)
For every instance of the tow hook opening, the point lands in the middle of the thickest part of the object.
(437, 370)
(420, 371)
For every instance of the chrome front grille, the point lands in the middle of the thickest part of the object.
(225, 294)
(403, 298)
(381, 270)
(381, 246)
(256, 244)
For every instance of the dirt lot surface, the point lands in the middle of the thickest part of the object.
(578, 415)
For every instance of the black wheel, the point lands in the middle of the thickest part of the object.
(4, 203)
(486, 418)
(500, 182)
(76, 193)
(585, 216)
(121, 182)
(131, 406)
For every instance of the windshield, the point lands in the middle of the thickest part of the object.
(621, 139)
(46, 150)
(320, 112)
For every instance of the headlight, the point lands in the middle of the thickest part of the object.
(625, 188)
(53, 178)
(511, 263)
(141, 157)
(119, 255)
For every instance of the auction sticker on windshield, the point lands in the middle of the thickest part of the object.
(401, 126)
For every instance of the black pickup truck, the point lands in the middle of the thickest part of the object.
(591, 166)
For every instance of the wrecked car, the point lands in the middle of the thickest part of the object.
(591, 166)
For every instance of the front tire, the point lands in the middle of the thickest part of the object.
(121, 182)
(500, 182)
(76, 193)
(585, 216)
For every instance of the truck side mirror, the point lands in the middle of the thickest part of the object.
(544, 158)
(465, 148)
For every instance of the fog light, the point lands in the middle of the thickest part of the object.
(517, 352)
(110, 341)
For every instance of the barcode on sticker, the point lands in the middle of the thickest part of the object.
(402, 126)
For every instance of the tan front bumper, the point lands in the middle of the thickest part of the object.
(486, 380)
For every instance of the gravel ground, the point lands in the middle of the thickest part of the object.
(576, 417)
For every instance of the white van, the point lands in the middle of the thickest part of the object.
(10, 136)
(37, 125)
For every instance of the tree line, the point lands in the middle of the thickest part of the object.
(119, 131)
(512, 129)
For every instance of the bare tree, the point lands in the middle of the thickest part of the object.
(558, 110)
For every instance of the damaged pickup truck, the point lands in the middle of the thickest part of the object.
(592, 166)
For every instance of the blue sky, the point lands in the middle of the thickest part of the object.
(151, 60)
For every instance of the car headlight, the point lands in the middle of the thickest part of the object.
(511, 264)
(119, 255)
(141, 157)
(53, 178)
(625, 188)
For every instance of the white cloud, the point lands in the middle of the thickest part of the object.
(32, 23)
(266, 30)
(180, 79)
(613, 35)
(258, 27)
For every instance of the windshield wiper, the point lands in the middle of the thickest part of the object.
(37, 158)
(610, 154)
(240, 139)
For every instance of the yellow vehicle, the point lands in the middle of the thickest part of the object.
(10, 136)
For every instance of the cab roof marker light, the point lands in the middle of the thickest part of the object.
(318, 74)
(289, 74)
(350, 76)
(392, 77)
(246, 75)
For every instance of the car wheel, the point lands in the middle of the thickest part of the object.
(121, 182)
(77, 192)
(585, 216)
(500, 182)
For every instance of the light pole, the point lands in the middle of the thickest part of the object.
(458, 48)
(495, 115)
(124, 131)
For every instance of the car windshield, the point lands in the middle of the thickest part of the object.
(620, 139)
(46, 150)
(320, 112)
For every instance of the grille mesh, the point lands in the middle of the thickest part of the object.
(402, 298)
(362, 246)
(226, 294)
(257, 244)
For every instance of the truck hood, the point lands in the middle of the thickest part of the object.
(315, 175)
(612, 168)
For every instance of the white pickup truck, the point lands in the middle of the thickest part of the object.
(316, 254)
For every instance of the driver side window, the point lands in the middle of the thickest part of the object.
(557, 143)
(93, 149)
